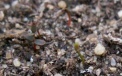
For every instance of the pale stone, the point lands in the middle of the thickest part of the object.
(58, 74)
(16, 62)
(113, 62)
(99, 49)
(1, 15)
(120, 14)
(8, 55)
(113, 69)
(98, 71)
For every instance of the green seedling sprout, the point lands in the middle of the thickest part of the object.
(77, 49)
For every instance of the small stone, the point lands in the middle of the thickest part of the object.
(1, 15)
(15, 3)
(31, 59)
(17, 25)
(4, 66)
(8, 55)
(120, 14)
(29, 64)
(98, 71)
(62, 4)
(90, 69)
(37, 47)
(99, 49)
(61, 52)
(16, 62)
(120, 74)
(49, 6)
(113, 69)
(58, 74)
(7, 6)
(79, 20)
(2, 72)
(113, 62)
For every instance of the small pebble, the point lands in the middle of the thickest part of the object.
(4, 66)
(120, 14)
(49, 6)
(120, 74)
(17, 25)
(113, 62)
(31, 59)
(1, 15)
(8, 55)
(15, 3)
(16, 62)
(90, 69)
(98, 71)
(99, 49)
(61, 52)
(62, 4)
(58, 74)
(79, 20)
(113, 69)
(7, 6)
(29, 64)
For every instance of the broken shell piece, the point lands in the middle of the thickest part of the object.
(62, 4)
(99, 49)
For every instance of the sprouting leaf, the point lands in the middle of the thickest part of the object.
(76, 46)
(39, 42)
(29, 37)
(77, 49)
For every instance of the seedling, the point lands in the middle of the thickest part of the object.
(77, 49)
(31, 37)
(63, 6)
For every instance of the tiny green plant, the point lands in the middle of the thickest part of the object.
(77, 49)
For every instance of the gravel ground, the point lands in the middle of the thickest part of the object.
(37, 38)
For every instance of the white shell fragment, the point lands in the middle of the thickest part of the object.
(1, 15)
(120, 14)
(62, 4)
(99, 49)
(16, 62)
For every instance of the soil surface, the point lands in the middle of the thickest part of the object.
(37, 38)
